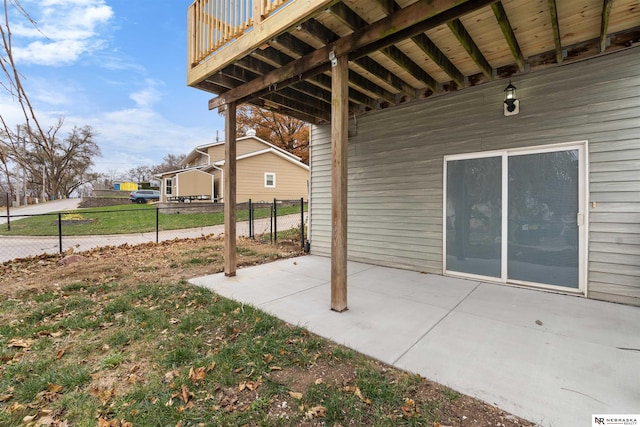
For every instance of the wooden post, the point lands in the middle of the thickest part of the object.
(339, 135)
(230, 190)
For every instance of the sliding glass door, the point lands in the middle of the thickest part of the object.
(514, 216)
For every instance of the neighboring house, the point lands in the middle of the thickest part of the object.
(440, 167)
(264, 172)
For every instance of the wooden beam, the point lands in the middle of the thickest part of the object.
(407, 64)
(509, 35)
(230, 190)
(280, 59)
(604, 24)
(339, 155)
(553, 12)
(327, 36)
(437, 56)
(470, 46)
(359, 41)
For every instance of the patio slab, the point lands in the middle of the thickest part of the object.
(552, 359)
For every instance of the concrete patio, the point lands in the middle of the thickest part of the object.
(552, 359)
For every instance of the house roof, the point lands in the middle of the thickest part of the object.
(196, 151)
(267, 150)
(177, 171)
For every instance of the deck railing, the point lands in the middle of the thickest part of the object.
(214, 23)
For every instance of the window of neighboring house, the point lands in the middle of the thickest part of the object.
(168, 186)
(270, 180)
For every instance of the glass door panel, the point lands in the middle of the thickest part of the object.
(543, 244)
(474, 216)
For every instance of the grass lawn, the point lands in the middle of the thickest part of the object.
(102, 342)
(124, 219)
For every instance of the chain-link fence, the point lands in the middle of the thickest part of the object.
(80, 230)
(287, 221)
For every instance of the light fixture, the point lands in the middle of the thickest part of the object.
(511, 103)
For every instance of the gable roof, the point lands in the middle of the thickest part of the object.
(278, 153)
(198, 150)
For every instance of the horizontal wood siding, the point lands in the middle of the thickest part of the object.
(396, 165)
(291, 180)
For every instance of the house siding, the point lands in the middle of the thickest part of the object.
(396, 162)
(243, 146)
(291, 180)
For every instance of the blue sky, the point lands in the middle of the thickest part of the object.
(118, 66)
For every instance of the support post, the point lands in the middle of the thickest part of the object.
(230, 190)
(339, 135)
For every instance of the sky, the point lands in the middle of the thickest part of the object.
(118, 66)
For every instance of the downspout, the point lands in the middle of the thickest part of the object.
(221, 182)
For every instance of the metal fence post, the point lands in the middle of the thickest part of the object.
(250, 219)
(302, 222)
(275, 220)
(8, 214)
(157, 224)
(60, 231)
(271, 224)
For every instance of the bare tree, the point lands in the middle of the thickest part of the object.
(55, 165)
(140, 173)
(170, 162)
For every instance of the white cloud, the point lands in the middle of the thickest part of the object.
(149, 95)
(66, 29)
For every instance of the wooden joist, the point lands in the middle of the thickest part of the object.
(385, 75)
(359, 41)
(470, 46)
(436, 55)
(604, 24)
(509, 35)
(407, 64)
(555, 25)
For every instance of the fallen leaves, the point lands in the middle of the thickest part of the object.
(358, 393)
(296, 395)
(198, 374)
(20, 343)
(318, 411)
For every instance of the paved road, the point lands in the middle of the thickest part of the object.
(12, 247)
(41, 208)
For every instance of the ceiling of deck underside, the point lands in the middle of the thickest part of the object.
(489, 40)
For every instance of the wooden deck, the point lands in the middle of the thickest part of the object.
(275, 54)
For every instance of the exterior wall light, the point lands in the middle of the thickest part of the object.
(511, 103)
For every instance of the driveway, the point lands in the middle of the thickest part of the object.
(41, 208)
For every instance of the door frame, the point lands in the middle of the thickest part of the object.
(582, 219)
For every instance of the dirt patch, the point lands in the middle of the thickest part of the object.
(166, 262)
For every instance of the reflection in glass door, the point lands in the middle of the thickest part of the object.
(474, 216)
(543, 209)
(535, 238)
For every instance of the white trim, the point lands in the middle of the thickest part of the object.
(583, 213)
(265, 151)
(266, 185)
(243, 138)
(164, 186)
